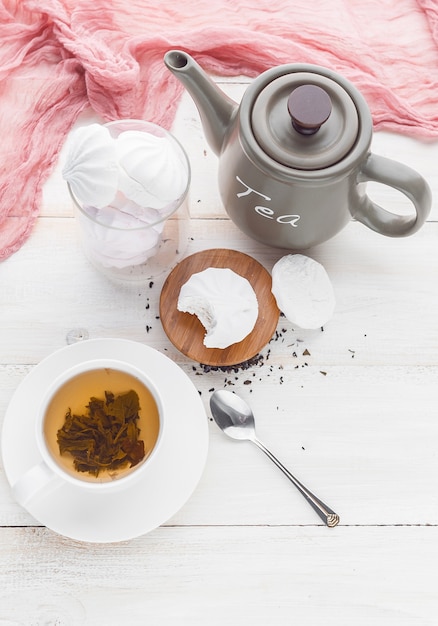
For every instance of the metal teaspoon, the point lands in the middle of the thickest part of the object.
(235, 418)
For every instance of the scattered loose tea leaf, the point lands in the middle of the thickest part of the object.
(106, 436)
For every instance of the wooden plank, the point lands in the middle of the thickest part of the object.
(386, 291)
(250, 576)
(363, 439)
(204, 194)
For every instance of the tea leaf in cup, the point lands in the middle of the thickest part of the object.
(106, 436)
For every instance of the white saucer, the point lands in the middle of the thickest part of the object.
(172, 475)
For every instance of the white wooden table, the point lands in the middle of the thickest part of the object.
(351, 410)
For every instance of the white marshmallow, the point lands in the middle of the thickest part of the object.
(152, 173)
(303, 291)
(91, 167)
(224, 302)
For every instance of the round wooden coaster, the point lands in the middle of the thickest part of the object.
(186, 332)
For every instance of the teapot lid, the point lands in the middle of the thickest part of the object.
(305, 120)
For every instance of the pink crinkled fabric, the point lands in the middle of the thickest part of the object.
(59, 57)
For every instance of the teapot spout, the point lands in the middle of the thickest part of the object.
(215, 108)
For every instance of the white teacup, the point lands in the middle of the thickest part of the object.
(72, 391)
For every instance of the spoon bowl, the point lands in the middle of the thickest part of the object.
(232, 414)
(235, 418)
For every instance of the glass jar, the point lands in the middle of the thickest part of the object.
(143, 231)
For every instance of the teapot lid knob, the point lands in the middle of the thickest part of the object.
(309, 107)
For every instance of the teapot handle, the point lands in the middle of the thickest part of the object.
(401, 177)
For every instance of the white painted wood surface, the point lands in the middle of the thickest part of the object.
(352, 410)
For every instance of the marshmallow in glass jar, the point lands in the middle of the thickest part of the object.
(129, 181)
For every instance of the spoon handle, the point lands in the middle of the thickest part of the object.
(325, 513)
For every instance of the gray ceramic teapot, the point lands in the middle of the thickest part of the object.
(294, 157)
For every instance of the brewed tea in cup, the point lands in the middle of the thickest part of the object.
(97, 428)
